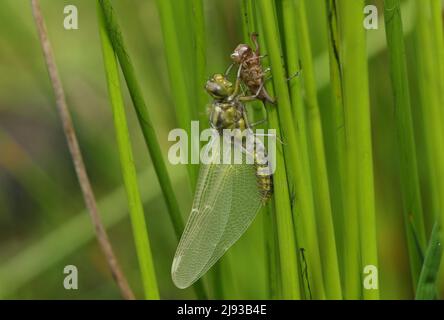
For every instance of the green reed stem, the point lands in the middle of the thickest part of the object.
(427, 284)
(289, 287)
(359, 176)
(438, 40)
(248, 19)
(272, 250)
(288, 14)
(143, 115)
(177, 75)
(148, 131)
(285, 231)
(298, 177)
(293, 67)
(270, 228)
(321, 189)
(198, 19)
(128, 170)
(431, 96)
(376, 42)
(413, 214)
(337, 164)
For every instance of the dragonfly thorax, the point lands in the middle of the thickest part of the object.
(227, 115)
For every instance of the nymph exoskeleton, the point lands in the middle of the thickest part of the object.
(252, 74)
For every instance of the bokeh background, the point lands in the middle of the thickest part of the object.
(43, 223)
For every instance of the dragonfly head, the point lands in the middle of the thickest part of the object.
(242, 52)
(219, 86)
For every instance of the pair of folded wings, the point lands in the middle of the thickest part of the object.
(225, 203)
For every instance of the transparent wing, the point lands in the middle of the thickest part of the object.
(225, 203)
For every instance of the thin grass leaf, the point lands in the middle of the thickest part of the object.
(248, 19)
(272, 253)
(270, 228)
(285, 231)
(336, 137)
(126, 160)
(376, 43)
(293, 68)
(198, 20)
(281, 202)
(177, 75)
(298, 177)
(321, 190)
(359, 160)
(427, 284)
(431, 97)
(143, 115)
(148, 131)
(413, 215)
(438, 39)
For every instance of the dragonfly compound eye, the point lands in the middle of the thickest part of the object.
(218, 86)
(215, 89)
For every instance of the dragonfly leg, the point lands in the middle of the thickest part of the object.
(294, 75)
(270, 135)
(253, 97)
(237, 85)
(253, 37)
(254, 124)
(228, 70)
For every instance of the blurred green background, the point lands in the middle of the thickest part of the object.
(43, 225)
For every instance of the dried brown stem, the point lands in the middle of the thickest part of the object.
(76, 155)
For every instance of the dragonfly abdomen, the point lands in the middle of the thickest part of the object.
(264, 176)
(265, 185)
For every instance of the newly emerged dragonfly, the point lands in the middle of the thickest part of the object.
(252, 74)
(228, 196)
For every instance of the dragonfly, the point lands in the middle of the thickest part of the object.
(228, 196)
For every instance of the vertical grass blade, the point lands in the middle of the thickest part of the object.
(321, 189)
(147, 127)
(438, 37)
(413, 215)
(285, 230)
(200, 59)
(177, 74)
(143, 115)
(298, 177)
(288, 15)
(293, 67)
(126, 160)
(272, 253)
(427, 284)
(248, 18)
(359, 176)
(337, 160)
(250, 26)
(431, 97)
(286, 241)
